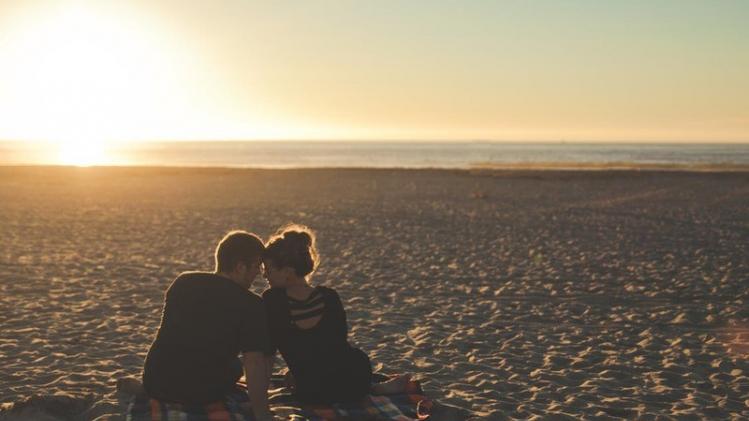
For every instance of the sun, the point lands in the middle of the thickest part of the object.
(85, 82)
(83, 76)
(82, 153)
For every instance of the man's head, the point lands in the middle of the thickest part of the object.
(239, 256)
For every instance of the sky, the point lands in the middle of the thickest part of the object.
(81, 72)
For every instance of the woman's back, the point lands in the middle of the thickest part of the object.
(310, 333)
(306, 306)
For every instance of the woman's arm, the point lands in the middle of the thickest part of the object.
(338, 313)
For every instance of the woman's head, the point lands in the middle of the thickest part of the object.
(290, 254)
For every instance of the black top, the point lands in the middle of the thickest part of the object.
(309, 352)
(206, 322)
(312, 306)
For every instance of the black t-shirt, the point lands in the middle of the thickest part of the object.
(206, 322)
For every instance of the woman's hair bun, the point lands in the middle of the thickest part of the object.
(301, 237)
(293, 246)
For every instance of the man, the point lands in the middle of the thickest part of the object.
(207, 321)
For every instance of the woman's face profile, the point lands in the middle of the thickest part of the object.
(273, 275)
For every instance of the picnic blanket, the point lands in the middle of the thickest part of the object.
(399, 407)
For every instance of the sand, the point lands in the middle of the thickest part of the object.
(512, 294)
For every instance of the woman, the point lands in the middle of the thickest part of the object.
(308, 326)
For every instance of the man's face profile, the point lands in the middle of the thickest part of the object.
(251, 271)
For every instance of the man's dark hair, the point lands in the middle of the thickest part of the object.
(235, 247)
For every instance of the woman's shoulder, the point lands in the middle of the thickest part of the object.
(330, 294)
(327, 290)
(276, 295)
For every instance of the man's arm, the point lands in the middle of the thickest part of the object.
(258, 378)
(269, 365)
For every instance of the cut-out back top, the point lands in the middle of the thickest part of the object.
(307, 349)
(311, 335)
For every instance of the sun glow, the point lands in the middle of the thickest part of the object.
(80, 78)
(82, 153)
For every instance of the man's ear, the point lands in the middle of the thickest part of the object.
(240, 267)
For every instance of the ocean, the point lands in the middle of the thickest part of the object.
(372, 154)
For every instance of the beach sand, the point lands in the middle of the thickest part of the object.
(513, 294)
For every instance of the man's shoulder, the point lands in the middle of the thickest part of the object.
(186, 278)
(194, 274)
(199, 281)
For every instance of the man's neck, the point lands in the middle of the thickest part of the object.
(229, 276)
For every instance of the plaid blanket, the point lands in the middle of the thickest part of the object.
(399, 407)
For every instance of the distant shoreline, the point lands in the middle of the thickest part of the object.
(612, 166)
(566, 167)
(414, 155)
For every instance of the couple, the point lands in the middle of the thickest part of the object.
(209, 319)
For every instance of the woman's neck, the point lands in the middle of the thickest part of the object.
(298, 288)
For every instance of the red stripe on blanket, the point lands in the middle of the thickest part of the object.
(416, 398)
(326, 413)
(217, 412)
(155, 410)
(413, 387)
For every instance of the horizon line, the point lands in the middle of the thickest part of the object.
(407, 140)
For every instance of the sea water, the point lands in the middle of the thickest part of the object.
(373, 154)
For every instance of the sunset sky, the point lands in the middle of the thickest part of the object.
(96, 71)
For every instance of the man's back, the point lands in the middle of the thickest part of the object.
(207, 321)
